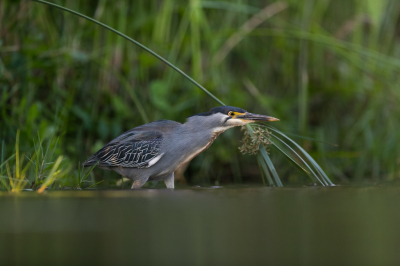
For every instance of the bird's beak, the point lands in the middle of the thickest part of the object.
(249, 117)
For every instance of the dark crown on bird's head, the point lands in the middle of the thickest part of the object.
(221, 109)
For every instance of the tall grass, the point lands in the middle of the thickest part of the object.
(61, 74)
(14, 180)
(43, 169)
(263, 157)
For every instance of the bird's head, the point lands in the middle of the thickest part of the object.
(225, 117)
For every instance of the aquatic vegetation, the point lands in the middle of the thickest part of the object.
(258, 139)
(251, 142)
(44, 169)
(328, 70)
(14, 180)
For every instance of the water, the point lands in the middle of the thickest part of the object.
(221, 226)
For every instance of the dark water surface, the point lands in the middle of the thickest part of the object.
(226, 226)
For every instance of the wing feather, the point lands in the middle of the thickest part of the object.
(135, 150)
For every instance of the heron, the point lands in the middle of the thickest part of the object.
(154, 151)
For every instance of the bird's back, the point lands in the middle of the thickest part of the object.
(135, 148)
(161, 126)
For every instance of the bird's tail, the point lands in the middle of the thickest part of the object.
(91, 161)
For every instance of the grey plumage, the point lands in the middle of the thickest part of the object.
(154, 151)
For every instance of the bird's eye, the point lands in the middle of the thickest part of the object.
(231, 113)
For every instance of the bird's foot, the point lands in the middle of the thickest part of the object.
(137, 184)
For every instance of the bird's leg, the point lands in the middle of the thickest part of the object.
(138, 183)
(169, 180)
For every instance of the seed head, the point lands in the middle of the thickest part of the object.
(251, 143)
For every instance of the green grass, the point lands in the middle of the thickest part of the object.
(63, 76)
(43, 170)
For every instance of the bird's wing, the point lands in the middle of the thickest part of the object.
(134, 149)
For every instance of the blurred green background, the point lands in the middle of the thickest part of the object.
(328, 69)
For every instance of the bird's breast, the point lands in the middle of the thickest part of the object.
(196, 150)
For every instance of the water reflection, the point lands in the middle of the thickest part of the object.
(199, 226)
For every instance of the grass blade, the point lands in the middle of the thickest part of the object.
(9, 158)
(265, 170)
(287, 156)
(290, 158)
(324, 177)
(82, 180)
(242, 8)
(17, 155)
(52, 176)
(2, 157)
(95, 184)
(268, 166)
(271, 167)
(263, 177)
